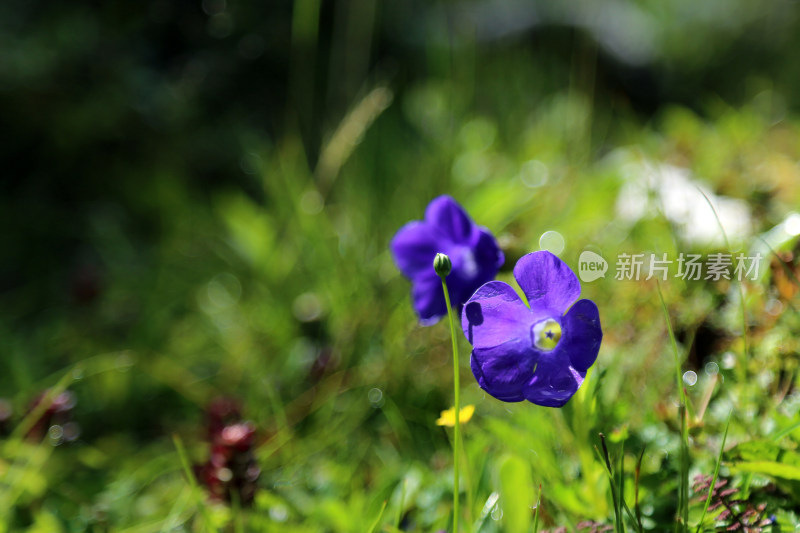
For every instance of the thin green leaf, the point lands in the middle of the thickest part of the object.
(636, 506)
(683, 486)
(621, 486)
(196, 491)
(738, 285)
(491, 501)
(716, 473)
(399, 514)
(785, 431)
(378, 518)
(607, 461)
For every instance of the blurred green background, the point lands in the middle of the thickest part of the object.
(197, 200)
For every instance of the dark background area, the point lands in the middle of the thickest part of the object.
(102, 101)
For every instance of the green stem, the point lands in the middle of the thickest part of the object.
(457, 406)
(681, 523)
(716, 473)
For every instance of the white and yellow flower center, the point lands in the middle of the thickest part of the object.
(546, 334)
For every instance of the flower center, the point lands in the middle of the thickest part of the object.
(546, 334)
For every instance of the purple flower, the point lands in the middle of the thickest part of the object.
(539, 353)
(447, 229)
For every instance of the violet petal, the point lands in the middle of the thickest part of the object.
(505, 370)
(428, 297)
(414, 247)
(495, 315)
(446, 229)
(450, 219)
(553, 383)
(547, 281)
(506, 396)
(581, 335)
(487, 254)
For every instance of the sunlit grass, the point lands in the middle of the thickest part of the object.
(291, 303)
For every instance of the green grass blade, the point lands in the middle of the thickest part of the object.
(631, 517)
(196, 491)
(30, 419)
(636, 506)
(716, 473)
(171, 522)
(684, 469)
(606, 460)
(621, 506)
(743, 364)
(621, 487)
(378, 518)
(491, 501)
(674, 343)
(399, 514)
(785, 431)
(683, 487)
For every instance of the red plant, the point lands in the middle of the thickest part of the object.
(231, 470)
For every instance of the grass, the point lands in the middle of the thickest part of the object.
(196, 492)
(682, 524)
(715, 475)
(288, 300)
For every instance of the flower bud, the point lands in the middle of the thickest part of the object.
(442, 265)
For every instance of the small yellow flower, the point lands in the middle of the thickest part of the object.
(448, 417)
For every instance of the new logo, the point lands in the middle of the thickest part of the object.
(591, 266)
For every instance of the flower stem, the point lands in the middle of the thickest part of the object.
(457, 406)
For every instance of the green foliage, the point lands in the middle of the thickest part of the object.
(236, 262)
(517, 494)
